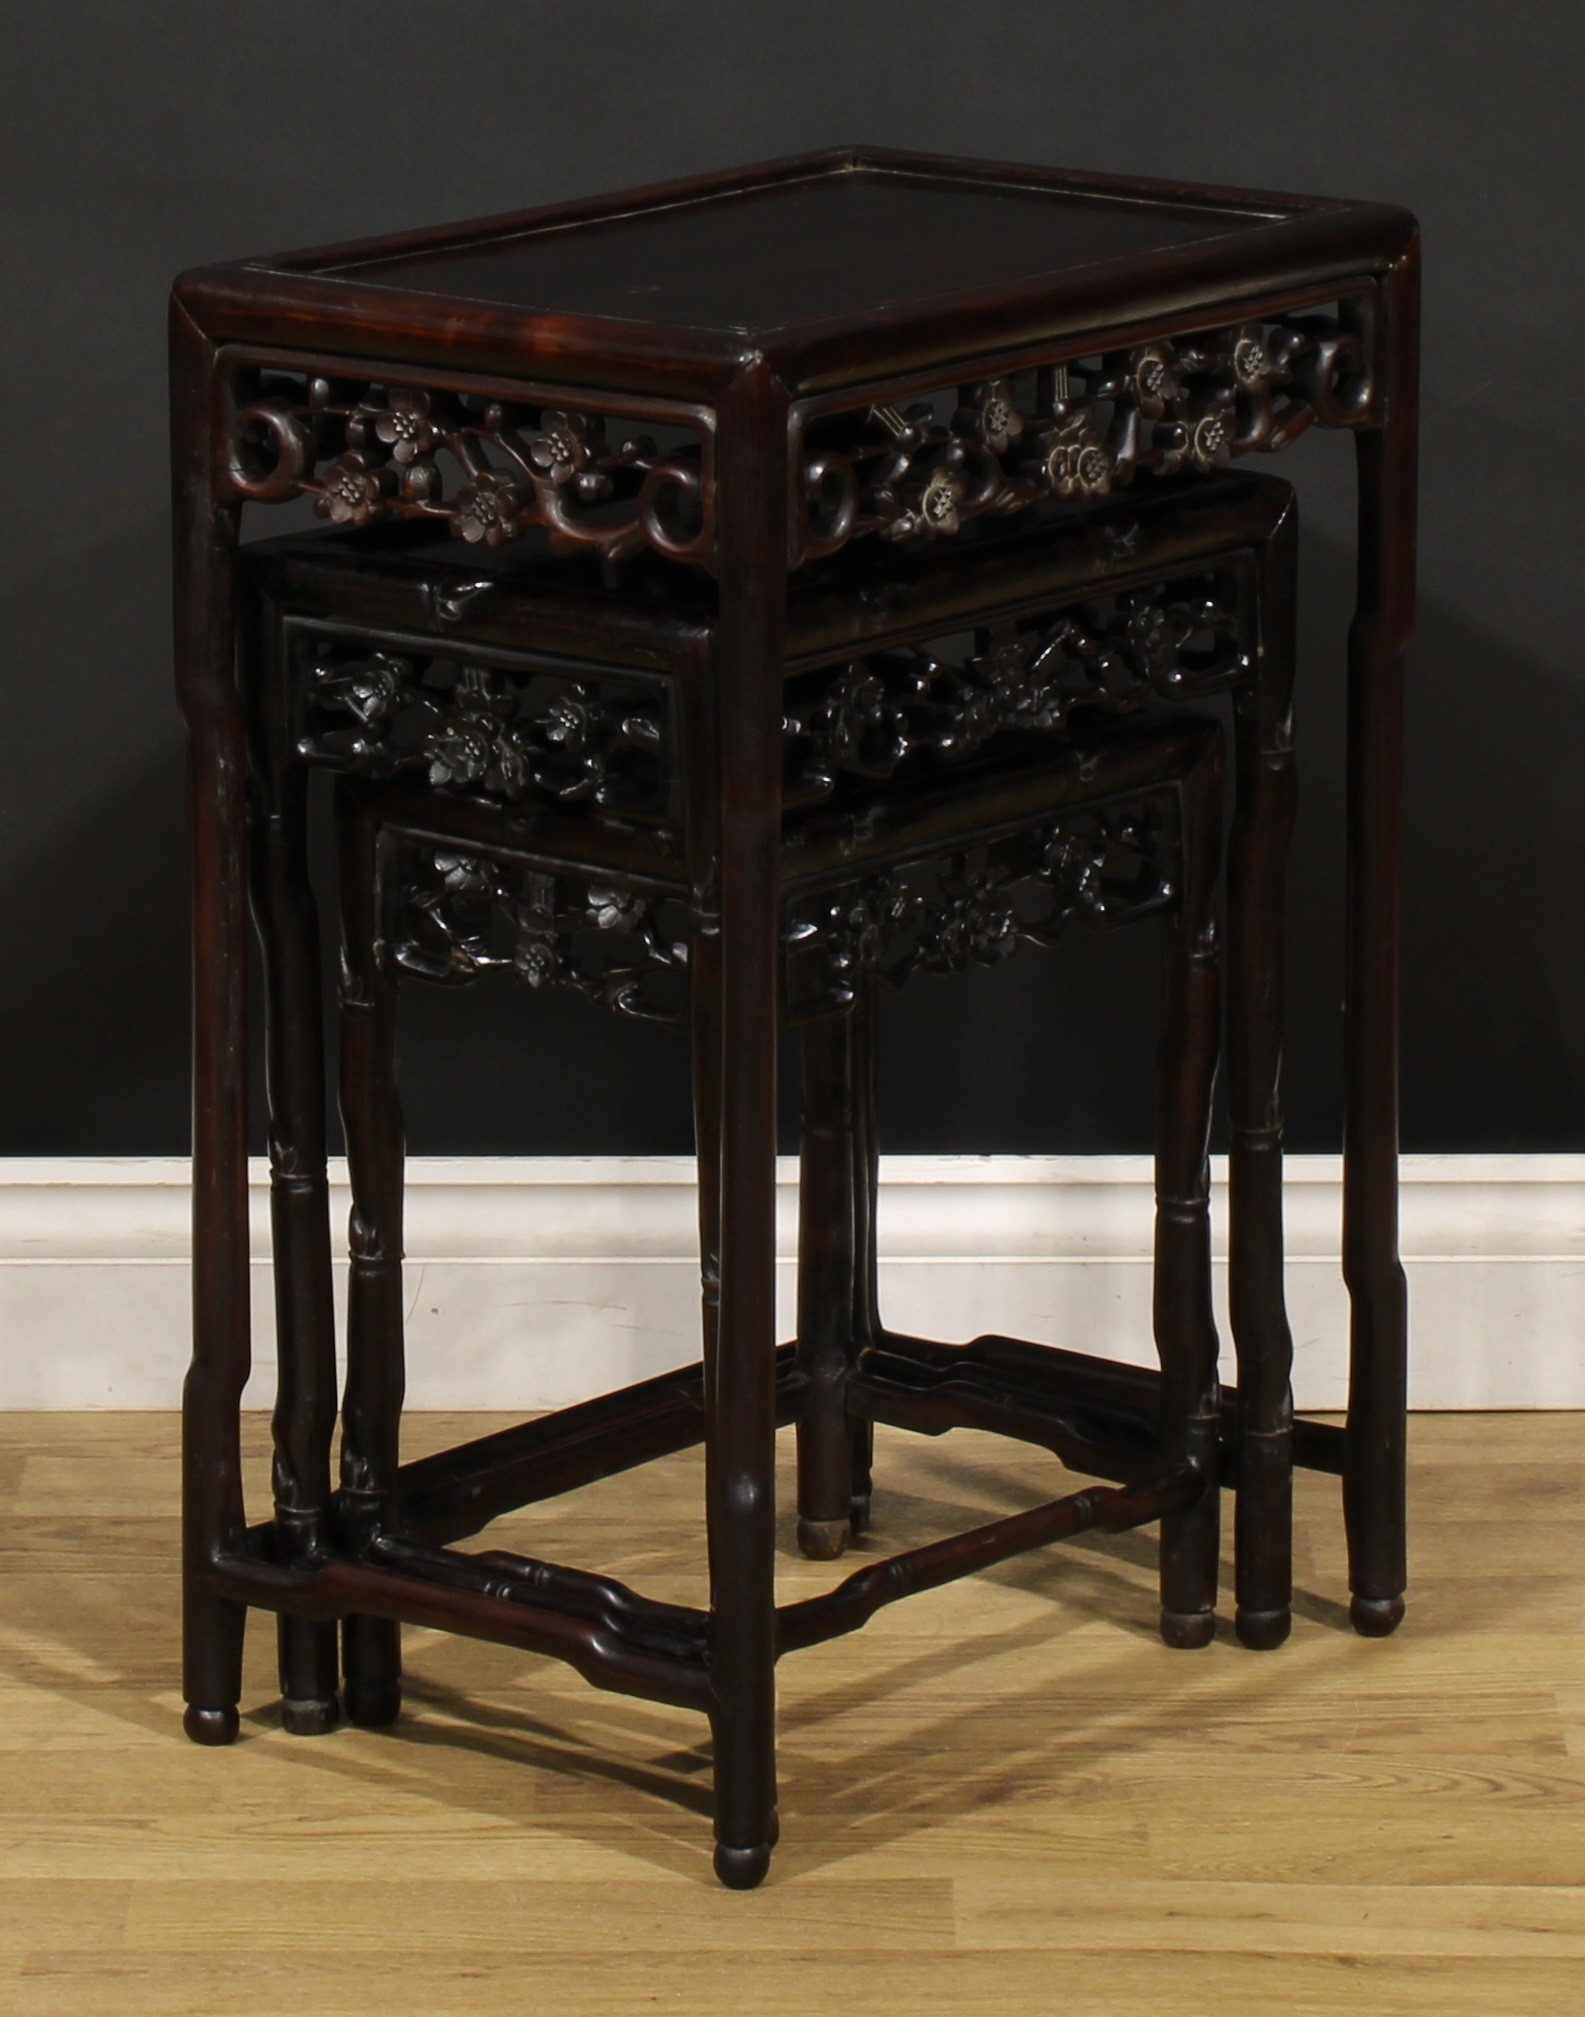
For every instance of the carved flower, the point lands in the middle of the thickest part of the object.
(371, 690)
(925, 501)
(1044, 700)
(1154, 380)
(1075, 869)
(1211, 439)
(1151, 638)
(860, 926)
(976, 927)
(569, 719)
(534, 956)
(617, 910)
(1251, 360)
(1204, 441)
(851, 709)
(465, 875)
(1006, 664)
(460, 753)
(1000, 693)
(487, 509)
(565, 450)
(353, 491)
(1155, 636)
(405, 426)
(1075, 460)
(937, 510)
(474, 750)
(974, 720)
(993, 417)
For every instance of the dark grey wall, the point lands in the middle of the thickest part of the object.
(139, 139)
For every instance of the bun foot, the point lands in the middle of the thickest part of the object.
(1263, 1631)
(373, 1707)
(823, 1540)
(1375, 1617)
(1185, 1629)
(310, 1718)
(212, 1726)
(742, 1869)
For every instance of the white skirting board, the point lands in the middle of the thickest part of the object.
(533, 1282)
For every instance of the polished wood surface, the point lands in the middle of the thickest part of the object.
(1099, 346)
(825, 265)
(833, 244)
(1382, 1830)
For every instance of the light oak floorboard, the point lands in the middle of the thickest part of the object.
(1002, 1797)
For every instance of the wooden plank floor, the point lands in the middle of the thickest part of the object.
(1006, 1796)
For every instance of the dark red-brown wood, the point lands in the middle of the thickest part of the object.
(1166, 327)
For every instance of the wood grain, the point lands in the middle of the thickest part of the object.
(1004, 1796)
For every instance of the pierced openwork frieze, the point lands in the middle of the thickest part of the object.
(1080, 430)
(492, 470)
(511, 737)
(488, 470)
(1101, 868)
(1175, 641)
(460, 915)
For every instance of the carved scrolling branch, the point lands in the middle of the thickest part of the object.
(1088, 427)
(366, 452)
(531, 736)
(492, 471)
(462, 914)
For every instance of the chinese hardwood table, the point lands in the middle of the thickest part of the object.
(800, 371)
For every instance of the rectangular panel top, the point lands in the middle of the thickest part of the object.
(863, 248)
(834, 246)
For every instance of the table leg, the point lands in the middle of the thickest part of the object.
(752, 546)
(286, 920)
(1185, 1323)
(213, 1519)
(826, 1284)
(371, 1118)
(1257, 870)
(704, 1025)
(866, 1319)
(1375, 1464)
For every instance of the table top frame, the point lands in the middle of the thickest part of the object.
(1302, 249)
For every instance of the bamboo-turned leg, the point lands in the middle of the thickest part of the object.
(1257, 869)
(1184, 1322)
(1375, 1464)
(826, 1285)
(704, 1023)
(287, 923)
(752, 548)
(371, 1118)
(213, 1519)
(705, 1030)
(865, 1150)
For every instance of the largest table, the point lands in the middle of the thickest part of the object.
(736, 373)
